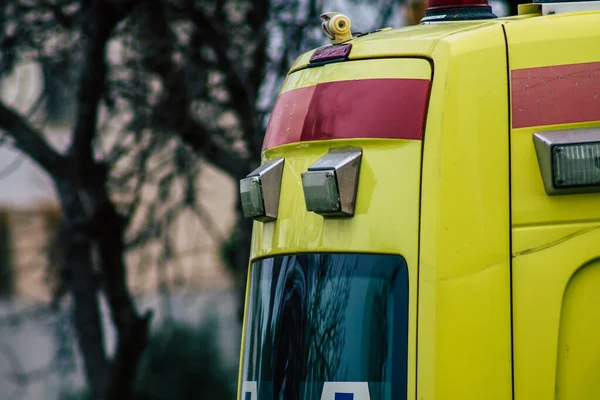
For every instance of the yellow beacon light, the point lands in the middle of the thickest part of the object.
(337, 27)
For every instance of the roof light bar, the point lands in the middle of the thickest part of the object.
(550, 7)
(569, 160)
(259, 191)
(436, 4)
(330, 184)
(457, 10)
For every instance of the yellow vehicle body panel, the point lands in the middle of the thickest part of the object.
(412, 68)
(371, 230)
(555, 291)
(554, 238)
(550, 41)
(409, 41)
(464, 271)
(507, 276)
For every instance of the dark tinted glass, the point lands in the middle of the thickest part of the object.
(317, 318)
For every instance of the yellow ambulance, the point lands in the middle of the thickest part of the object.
(427, 213)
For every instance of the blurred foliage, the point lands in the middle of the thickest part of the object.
(184, 362)
(74, 395)
(181, 362)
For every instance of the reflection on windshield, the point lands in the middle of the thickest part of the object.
(317, 322)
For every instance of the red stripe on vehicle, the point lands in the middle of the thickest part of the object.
(559, 94)
(370, 108)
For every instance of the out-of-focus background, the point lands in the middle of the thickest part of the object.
(124, 128)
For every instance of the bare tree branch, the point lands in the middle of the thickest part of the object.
(32, 142)
(101, 19)
(173, 112)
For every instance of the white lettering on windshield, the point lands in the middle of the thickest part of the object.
(249, 391)
(345, 391)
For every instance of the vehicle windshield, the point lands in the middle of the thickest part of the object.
(326, 327)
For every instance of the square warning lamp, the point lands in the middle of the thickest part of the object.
(259, 191)
(330, 185)
(569, 160)
(321, 191)
(251, 197)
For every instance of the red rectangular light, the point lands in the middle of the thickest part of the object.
(368, 108)
(556, 94)
(329, 53)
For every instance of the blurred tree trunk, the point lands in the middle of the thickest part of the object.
(83, 287)
(108, 228)
(6, 274)
(94, 236)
